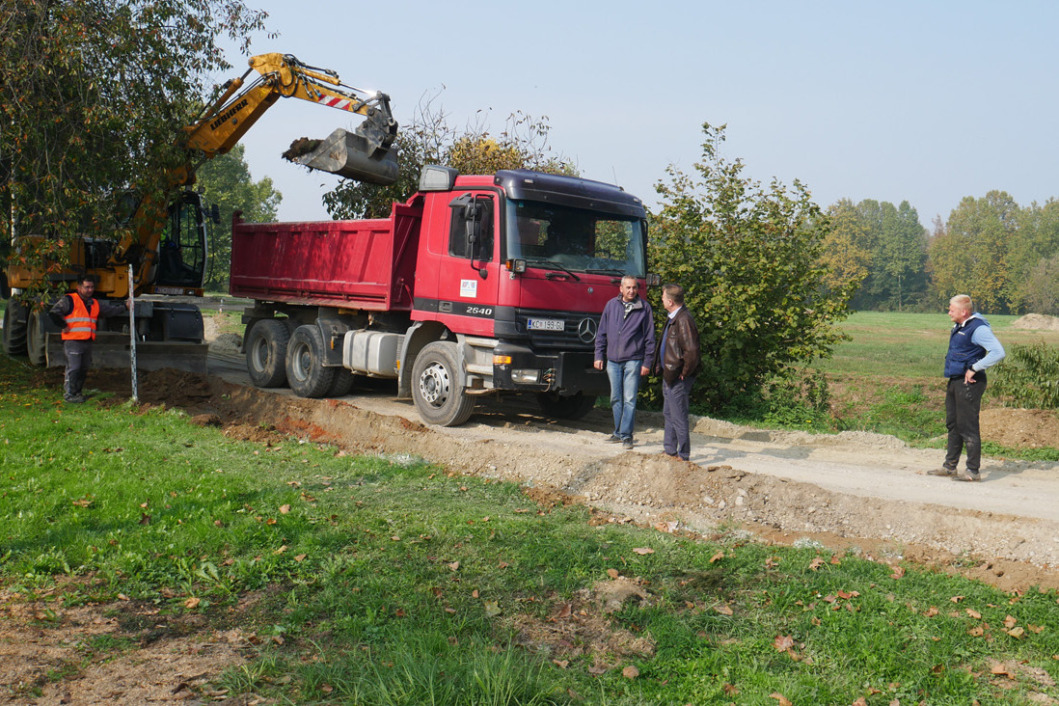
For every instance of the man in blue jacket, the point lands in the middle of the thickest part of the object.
(625, 344)
(972, 349)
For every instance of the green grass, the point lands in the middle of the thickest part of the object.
(388, 581)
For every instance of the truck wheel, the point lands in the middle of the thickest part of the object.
(36, 339)
(15, 328)
(342, 383)
(436, 386)
(266, 353)
(306, 373)
(573, 406)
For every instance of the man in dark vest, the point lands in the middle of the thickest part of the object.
(972, 349)
(77, 315)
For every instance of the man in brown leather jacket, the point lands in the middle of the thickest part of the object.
(678, 362)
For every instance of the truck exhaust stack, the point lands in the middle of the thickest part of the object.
(348, 155)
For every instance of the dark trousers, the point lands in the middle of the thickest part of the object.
(676, 439)
(963, 402)
(78, 360)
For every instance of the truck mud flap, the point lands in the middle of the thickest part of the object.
(348, 155)
(112, 350)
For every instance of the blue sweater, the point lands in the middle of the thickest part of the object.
(623, 338)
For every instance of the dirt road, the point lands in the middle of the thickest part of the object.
(853, 491)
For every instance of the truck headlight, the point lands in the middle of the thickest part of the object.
(526, 376)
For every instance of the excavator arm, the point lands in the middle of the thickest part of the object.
(223, 123)
(366, 155)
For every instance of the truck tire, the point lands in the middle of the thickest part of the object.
(306, 373)
(558, 406)
(342, 383)
(436, 387)
(266, 353)
(15, 320)
(37, 339)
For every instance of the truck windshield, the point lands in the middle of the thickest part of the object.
(574, 240)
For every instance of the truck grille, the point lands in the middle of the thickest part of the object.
(578, 331)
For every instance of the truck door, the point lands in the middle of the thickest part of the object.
(469, 281)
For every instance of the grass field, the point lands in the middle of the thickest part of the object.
(384, 580)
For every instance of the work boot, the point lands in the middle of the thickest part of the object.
(74, 399)
(627, 443)
(943, 471)
(968, 477)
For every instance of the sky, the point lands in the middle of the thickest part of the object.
(921, 101)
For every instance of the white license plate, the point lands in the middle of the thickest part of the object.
(546, 325)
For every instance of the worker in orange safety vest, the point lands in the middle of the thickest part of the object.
(77, 314)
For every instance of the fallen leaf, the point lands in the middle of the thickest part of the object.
(974, 613)
(192, 603)
(454, 566)
(561, 663)
(643, 550)
(782, 643)
(816, 563)
(281, 549)
(976, 631)
(613, 573)
(597, 670)
(1010, 622)
(899, 572)
(781, 698)
(931, 612)
(723, 610)
(630, 672)
(1016, 632)
(717, 557)
(284, 509)
(492, 609)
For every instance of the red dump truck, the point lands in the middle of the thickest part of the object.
(476, 285)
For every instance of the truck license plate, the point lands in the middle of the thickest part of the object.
(546, 325)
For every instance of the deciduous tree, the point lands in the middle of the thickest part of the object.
(93, 96)
(750, 259)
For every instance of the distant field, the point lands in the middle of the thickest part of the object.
(910, 345)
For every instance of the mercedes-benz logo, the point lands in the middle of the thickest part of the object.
(586, 330)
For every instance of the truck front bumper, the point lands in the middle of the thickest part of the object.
(567, 372)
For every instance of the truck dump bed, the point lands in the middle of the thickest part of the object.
(367, 265)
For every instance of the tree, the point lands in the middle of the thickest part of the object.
(749, 259)
(94, 96)
(1036, 241)
(430, 139)
(971, 257)
(226, 181)
(845, 257)
(1042, 287)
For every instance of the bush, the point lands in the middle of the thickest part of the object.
(1029, 377)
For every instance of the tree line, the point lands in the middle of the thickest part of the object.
(1004, 255)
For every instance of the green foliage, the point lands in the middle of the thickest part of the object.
(94, 97)
(1041, 289)
(749, 259)
(430, 139)
(226, 182)
(970, 256)
(1029, 377)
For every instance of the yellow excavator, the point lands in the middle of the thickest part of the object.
(166, 244)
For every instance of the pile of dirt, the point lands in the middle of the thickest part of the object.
(1021, 428)
(1037, 322)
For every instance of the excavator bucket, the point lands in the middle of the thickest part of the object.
(347, 154)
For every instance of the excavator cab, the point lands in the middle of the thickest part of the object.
(183, 248)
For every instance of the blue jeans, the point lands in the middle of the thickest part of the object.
(624, 384)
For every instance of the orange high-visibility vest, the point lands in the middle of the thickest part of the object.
(81, 323)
